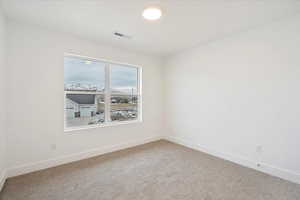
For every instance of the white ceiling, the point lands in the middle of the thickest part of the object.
(185, 23)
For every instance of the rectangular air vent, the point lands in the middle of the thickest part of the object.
(121, 35)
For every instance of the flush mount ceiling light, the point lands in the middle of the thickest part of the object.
(152, 13)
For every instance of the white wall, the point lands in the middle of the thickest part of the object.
(232, 95)
(36, 97)
(2, 97)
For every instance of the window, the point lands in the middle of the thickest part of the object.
(99, 92)
(124, 93)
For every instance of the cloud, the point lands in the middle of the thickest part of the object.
(123, 76)
(77, 70)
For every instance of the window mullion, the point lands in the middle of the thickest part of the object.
(107, 92)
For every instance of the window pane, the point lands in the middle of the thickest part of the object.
(124, 79)
(84, 88)
(124, 93)
(124, 107)
(83, 75)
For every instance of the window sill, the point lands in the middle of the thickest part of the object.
(71, 130)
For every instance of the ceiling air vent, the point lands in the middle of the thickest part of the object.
(121, 35)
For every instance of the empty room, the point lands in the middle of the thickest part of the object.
(149, 100)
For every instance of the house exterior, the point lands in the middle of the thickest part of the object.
(80, 105)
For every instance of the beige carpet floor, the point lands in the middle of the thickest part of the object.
(155, 171)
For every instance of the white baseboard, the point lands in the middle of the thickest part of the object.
(2, 179)
(31, 167)
(266, 168)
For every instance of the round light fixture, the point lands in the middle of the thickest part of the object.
(152, 13)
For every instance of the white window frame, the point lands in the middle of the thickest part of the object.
(107, 94)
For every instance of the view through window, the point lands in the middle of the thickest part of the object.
(98, 92)
(124, 99)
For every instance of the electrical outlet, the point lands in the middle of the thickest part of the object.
(258, 164)
(53, 146)
(259, 149)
